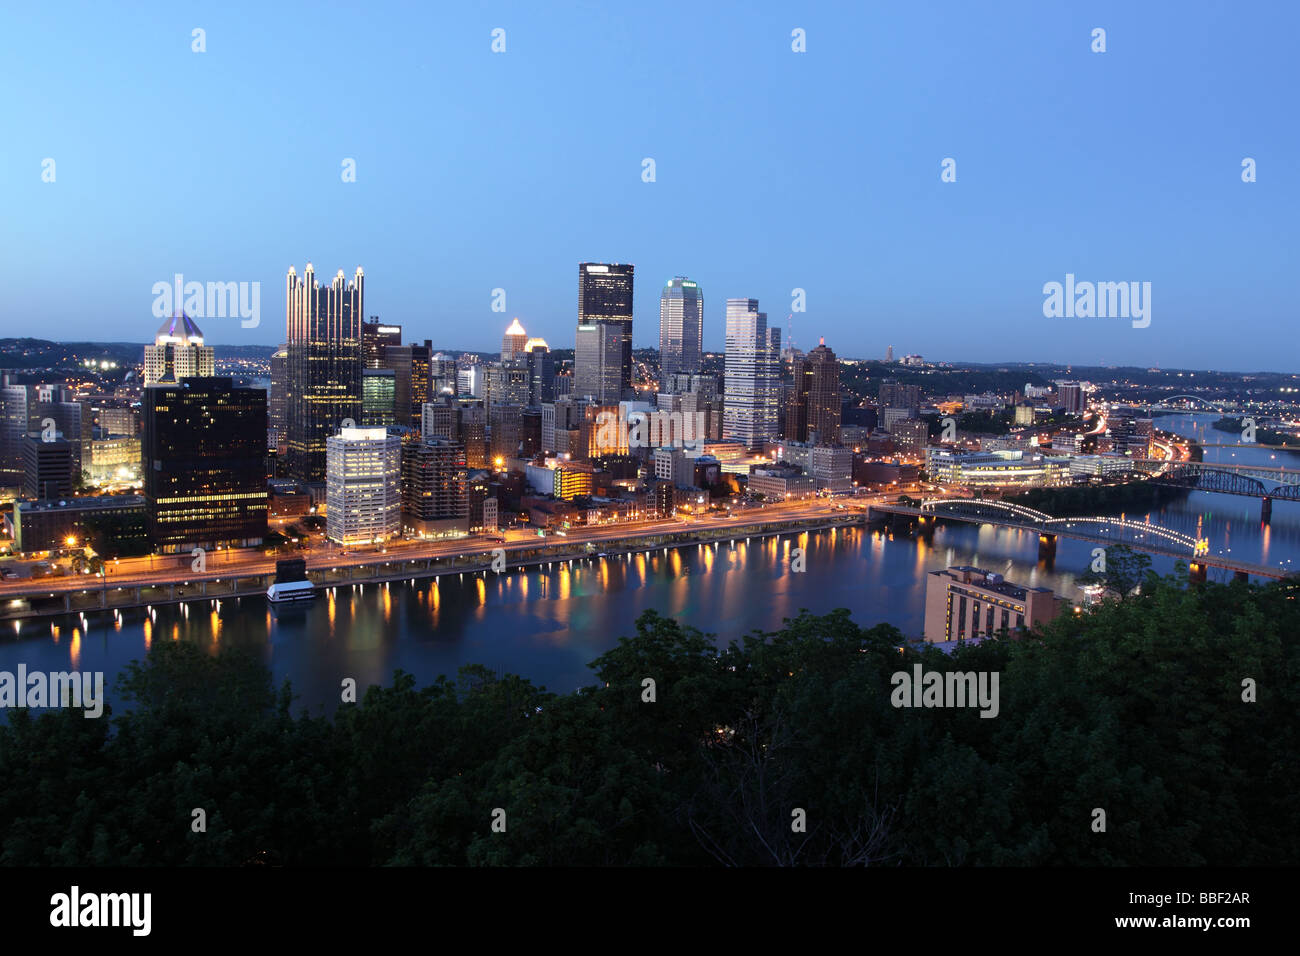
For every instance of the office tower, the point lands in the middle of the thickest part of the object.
(13, 429)
(378, 398)
(696, 398)
(469, 381)
(1071, 397)
(473, 434)
(401, 361)
(506, 385)
(752, 377)
(442, 375)
(530, 431)
(1130, 430)
(794, 426)
(47, 467)
(324, 365)
(204, 449)
(823, 402)
(435, 488)
(505, 422)
(363, 499)
(421, 384)
(276, 408)
(681, 327)
(513, 343)
(541, 372)
(889, 354)
(605, 296)
(911, 436)
(441, 419)
(118, 421)
(597, 355)
(178, 352)
(895, 395)
(375, 337)
(72, 421)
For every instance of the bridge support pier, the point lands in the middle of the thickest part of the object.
(925, 525)
(1047, 549)
(1266, 510)
(1196, 572)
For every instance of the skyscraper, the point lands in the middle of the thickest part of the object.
(375, 337)
(204, 449)
(541, 372)
(823, 395)
(178, 352)
(324, 365)
(435, 488)
(378, 398)
(597, 358)
(363, 501)
(681, 327)
(605, 296)
(752, 378)
(277, 410)
(13, 429)
(513, 343)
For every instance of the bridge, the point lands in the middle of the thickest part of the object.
(1256, 481)
(1101, 529)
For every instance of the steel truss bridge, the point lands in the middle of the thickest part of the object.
(1102, 529)
(1256, 481)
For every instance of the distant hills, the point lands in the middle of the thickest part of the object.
(30, 353)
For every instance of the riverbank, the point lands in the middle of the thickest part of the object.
(214, 587)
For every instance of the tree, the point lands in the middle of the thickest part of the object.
(1121, 571)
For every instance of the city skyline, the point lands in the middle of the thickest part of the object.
(838, 193)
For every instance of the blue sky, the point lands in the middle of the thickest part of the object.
(775, 170)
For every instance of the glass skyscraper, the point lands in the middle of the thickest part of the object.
(323, 366)
(681, 327)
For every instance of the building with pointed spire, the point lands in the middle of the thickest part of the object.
(513, 343)
(178, 352)
(323, 366)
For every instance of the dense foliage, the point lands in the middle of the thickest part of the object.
(1136, 708)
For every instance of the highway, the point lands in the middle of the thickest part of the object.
(177, 569)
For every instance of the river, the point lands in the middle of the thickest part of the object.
(547, 624)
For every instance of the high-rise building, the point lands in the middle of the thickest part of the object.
(421, 384)
(824, 402)
(178, 352)
(473, 434)
(277, 406)
(962, 603)
(47, 467)
(324, 365)
(513, 343)
(204, 450)
(401, 361)
(597, 355)
(896, 395)
(1071, 397)
(435, 488)
(506, 385)
(363, 499)
(605, 296)
(441, 420)
(505, 423)
(681, 327)
(13, 429)
(375, 337)
(541, 372)
(378, 398)
(794, 426)
(911, 436)
(752, 377)
(889, 354)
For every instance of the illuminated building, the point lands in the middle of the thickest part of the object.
(204, 450)
(324, 365)
(962, 603)
(178, 352)
(363, 486)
